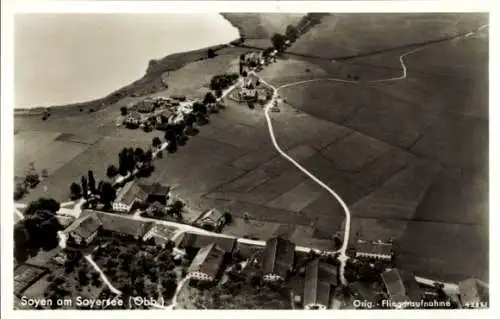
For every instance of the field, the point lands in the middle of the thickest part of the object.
(361, 33)
(193, 79)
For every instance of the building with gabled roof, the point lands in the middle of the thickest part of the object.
(278, 259)
(121, 225)
(197, 241)
(81, 232)
(373, 250)
(473, 293)
(401, 287)
(207, 263)
(137, 193)
(320, 280)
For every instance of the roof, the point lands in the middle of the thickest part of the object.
(84, 226)
(212, 216)
(401, 285)
(130, 192)
(197, 241)
(155, 189)
(473, 291)
(367, 247)
(121, 224)
(320, 277)
(208, 260)
(278, 256)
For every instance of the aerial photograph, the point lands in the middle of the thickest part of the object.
(298, 161)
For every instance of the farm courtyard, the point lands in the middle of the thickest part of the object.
(408, 157)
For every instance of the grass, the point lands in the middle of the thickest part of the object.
(349, 34)
(96, 157)
(193, 79)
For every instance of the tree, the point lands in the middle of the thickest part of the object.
(218, 93)
(91, 182)
(123, 110)
(176, 209)
(211, 53)
(228, 218)
(148, 156)
(108, 194)
(278, 41)
(200, 108)
(76, 191)
(112, 171)
(291, 33)
(156, 142)
(85, 188)
(139, 155)
(209, 98)
(38, 230)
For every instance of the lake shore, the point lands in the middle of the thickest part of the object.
(147, 84)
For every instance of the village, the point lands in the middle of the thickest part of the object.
(126, 239)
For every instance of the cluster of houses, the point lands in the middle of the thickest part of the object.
(278, 261)
(155, 111)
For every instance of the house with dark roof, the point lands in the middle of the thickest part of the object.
(81, 232)
(373, 250)
(320, 281)
(196, 241)
(207, 263)
(278, 259)
(473, 293)
(145, 106)
(401, 287)
(213, 220)
(120, 225)
(156, 193)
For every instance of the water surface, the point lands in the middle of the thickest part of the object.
(67, 58)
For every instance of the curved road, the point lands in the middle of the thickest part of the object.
(342, 251)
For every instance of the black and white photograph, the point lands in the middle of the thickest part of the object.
(249, 160)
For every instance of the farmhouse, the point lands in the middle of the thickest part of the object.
(156, 193)
(124, 227)
(130, 194)
(278, 259)
(207, 263)
(81, 232)
(145, 106)
(133, 193)
(401, 286)
(212, 220)
(320, 280)
(473, 293)
(133, 119)
(373, 250)
(196, 241)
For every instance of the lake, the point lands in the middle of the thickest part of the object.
(66, 58)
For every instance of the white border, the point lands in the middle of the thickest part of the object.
(9, 7)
